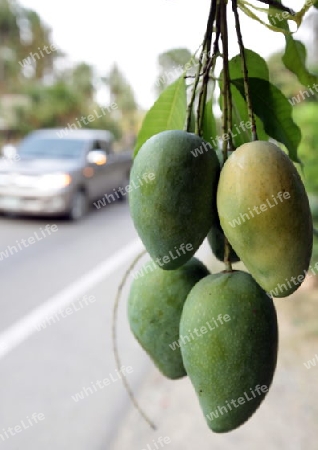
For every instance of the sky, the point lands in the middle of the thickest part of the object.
(133, 33)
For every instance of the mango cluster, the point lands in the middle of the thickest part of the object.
(219, 329)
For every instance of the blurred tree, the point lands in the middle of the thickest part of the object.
(59, 105)
(120, 90)
(106, 122)
(122, 95)
(26, 49)
(9, 42)
(33, 93)
(285, 80)
(82, 80)
(38, 47)
(51, 106)
(311, 22)
(171, 65)
(305, 114)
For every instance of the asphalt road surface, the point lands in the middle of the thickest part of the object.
(59, 388)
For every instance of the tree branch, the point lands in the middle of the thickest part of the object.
(278, 5)
(245, 71)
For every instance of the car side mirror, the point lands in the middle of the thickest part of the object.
(97, 157)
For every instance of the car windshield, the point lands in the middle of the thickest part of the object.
(50, 148)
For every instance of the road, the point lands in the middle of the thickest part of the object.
(59, 388)
(45, 368)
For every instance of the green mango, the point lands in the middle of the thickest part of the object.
(155, 305)
(216, 241)
(264, 213)
(228, 336)
(174, 210)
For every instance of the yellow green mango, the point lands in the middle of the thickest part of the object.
(264, 212)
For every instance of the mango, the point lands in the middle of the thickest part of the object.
(216, 241)
(155, 304)
(264, 212)
(174, 210)
(229, 335)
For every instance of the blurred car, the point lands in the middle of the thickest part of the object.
(59, 173)
(8, 151)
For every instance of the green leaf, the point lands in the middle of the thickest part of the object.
(295, 54)
(256, 65)
(275, 14)
(257, 68)
(167, 113)
(294, 60)
(209, 124)
(272, 107)
(241, 130)
(253, 16)
(277, 19)
(300, 15)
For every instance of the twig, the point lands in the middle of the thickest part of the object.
(194, 90)
(114, 338)
(245, 71)
(206, 47)
(227, 117)
(227, 84)
(209, 64)
(279, 6)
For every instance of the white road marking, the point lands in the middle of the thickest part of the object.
(24, 328)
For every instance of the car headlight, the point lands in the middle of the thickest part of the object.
(53, 181)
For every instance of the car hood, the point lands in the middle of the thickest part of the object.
(38, 166)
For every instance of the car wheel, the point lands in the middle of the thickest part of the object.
(79, 206)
